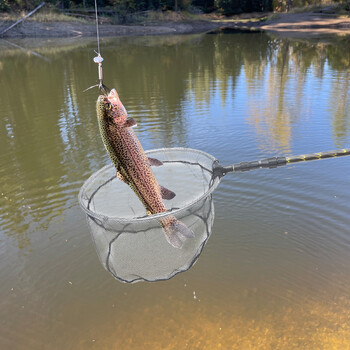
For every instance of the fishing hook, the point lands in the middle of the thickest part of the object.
(103, 88)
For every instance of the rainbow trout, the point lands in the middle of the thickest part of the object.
(133, 166)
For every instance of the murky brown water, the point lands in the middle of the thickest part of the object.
(275, 273)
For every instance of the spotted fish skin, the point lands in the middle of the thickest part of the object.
(132, 164)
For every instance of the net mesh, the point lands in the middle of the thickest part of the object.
(130, 244)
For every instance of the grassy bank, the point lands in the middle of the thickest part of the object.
(51, 14)
(48, 23)
(46, 15)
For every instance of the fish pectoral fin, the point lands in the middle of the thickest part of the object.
(154, 162)
(121, 177)
(129, 123)
(166, 194)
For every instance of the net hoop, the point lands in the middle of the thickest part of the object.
(176, 212)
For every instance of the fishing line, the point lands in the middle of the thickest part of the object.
(97, 32)
(98, 59)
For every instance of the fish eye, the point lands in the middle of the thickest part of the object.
(108, 106)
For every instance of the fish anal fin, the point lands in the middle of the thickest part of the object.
(129, 123)
(166, 194)
(154, 161)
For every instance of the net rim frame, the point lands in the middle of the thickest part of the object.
(152, 217)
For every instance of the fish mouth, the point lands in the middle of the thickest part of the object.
(113, 98)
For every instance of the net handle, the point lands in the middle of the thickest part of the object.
(275, 162)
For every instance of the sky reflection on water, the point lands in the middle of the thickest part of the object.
(276, 268)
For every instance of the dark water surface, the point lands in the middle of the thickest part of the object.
(275, 273)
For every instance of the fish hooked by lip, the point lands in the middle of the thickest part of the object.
(133, 166)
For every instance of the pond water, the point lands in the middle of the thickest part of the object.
(275, 273)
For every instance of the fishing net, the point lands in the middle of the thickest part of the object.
(130, 244)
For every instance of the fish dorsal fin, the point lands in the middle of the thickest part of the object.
(129, 123)
(166, 194)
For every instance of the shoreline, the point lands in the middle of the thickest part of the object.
(33, 29)
(304, 24)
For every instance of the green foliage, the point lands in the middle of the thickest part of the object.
(124, 8)
(229, 7)
(4, 5)
(205, 5)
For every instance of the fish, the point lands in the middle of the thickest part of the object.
(134, 167)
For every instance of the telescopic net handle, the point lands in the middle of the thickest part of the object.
(275, 162)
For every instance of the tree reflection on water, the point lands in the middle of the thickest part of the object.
(171, 85)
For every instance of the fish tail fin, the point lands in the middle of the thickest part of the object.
(176, 232)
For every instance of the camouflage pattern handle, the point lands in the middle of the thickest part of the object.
(275, 162)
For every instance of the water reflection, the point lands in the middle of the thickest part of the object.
(278, 255)
(170, 85)
(339, 109)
